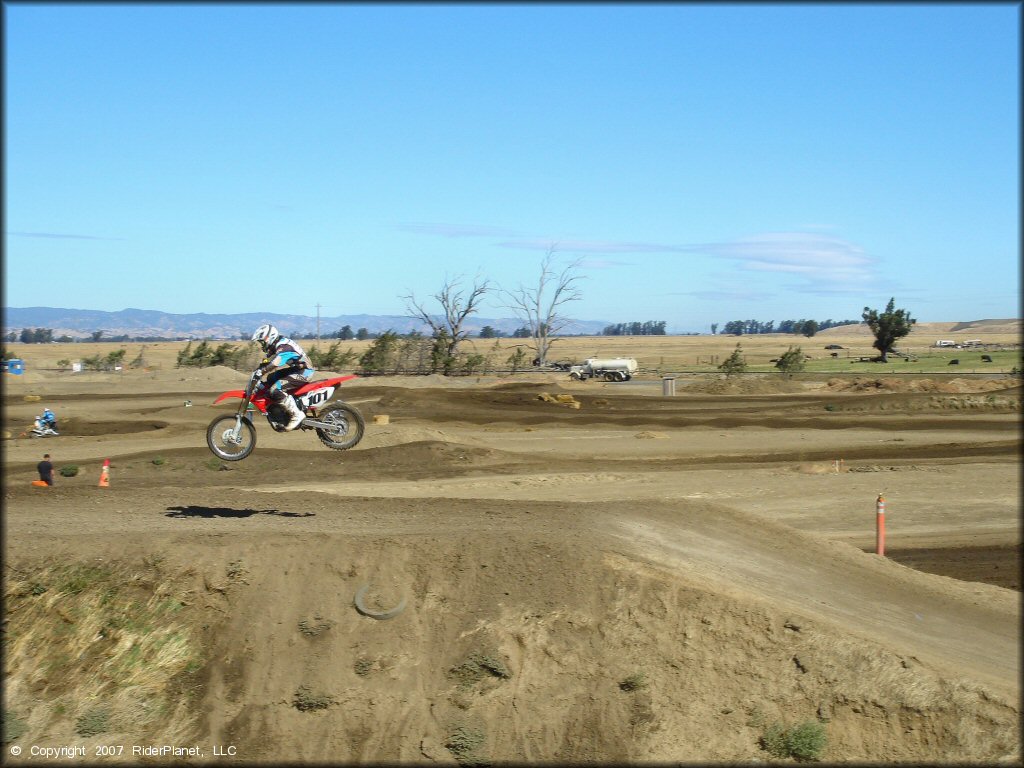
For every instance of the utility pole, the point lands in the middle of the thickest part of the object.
(317, 323)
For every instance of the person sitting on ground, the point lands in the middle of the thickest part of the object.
(286, 367)
(45, 468)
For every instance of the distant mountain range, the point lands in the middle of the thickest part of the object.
(146, 323)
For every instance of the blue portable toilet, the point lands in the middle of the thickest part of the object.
(14, 366)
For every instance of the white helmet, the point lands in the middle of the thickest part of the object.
(266, 336)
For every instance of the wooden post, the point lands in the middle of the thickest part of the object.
(880, 526)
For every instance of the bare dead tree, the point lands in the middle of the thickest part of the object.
(541, 308)
(456, 305)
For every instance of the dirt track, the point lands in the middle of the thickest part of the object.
(710, 541)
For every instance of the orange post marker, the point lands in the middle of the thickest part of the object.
(880, 526)
(105, 474)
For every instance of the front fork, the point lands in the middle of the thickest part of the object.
(234, 435)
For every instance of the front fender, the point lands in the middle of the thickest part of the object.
(239, 393)
(259, 403)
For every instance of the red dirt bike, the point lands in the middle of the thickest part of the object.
(339, 425)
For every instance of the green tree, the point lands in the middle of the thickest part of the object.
(184, 355)
(114, 359)
(810, 328)
(487, 332)
(474, 362)
(333, 359)
(441, 358)
(362, 334)
(380, 357)
(734, 363)
(792, 361)
(517, 359)
(413, 353)
(345, 333)
(888, 327)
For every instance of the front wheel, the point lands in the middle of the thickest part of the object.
(346, 428)
(226, 443)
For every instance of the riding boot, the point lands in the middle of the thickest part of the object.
(295, 415)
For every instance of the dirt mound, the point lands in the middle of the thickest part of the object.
(895, 384)
(747, 385)
(518, 648)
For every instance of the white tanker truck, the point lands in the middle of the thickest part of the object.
(610, 369)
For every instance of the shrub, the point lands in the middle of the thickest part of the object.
(69, 470)
(792, 361)
(474, 363)
(477, 666)
(93, 723)
(380, 356)
(158, 460)
(517, 359)
(805, 741)
(734, 363)
(240, 358)
(463, 742)
(306, 701)
(333, 359)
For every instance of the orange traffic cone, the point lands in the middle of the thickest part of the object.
(105, 474)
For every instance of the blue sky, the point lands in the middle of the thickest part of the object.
(703, 162)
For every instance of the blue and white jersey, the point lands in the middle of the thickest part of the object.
(288, 354)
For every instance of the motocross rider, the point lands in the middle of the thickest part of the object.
(285, 368)
(48, 419)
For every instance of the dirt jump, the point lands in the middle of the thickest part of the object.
(519, 569)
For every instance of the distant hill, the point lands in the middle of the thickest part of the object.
(921, 329)
(82, 323)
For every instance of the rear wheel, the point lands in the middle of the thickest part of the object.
(346, 428)
(225, 444)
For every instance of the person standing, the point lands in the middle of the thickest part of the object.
(45, 468)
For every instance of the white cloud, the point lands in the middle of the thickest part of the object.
(587, 246)
(456, 230)
(727, 295)
(825, 263)
(62, 236)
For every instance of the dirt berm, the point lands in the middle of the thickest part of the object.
(535, 584)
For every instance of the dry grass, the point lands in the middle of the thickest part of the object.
(96, 648)
(667, 353)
